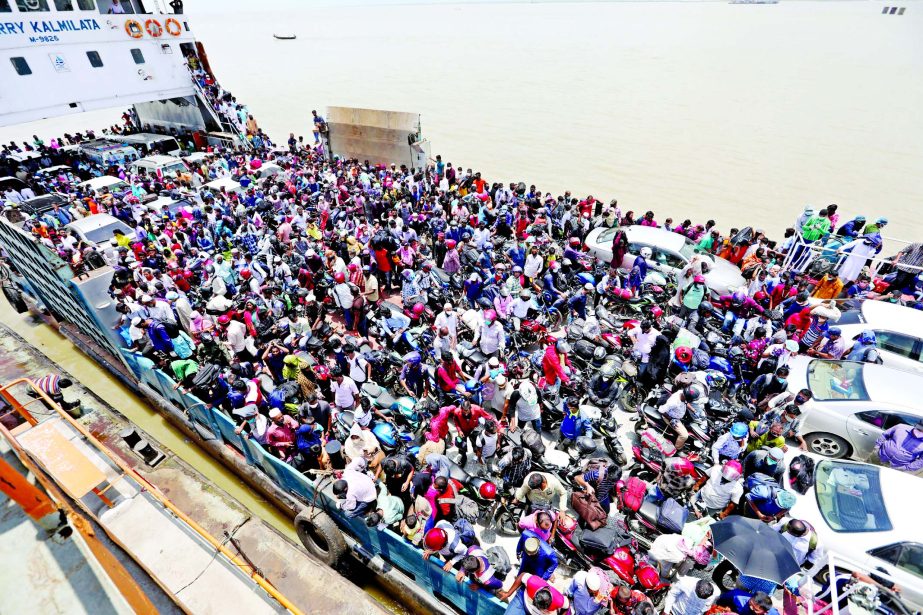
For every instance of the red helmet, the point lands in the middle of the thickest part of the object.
(760, 295)
(224, 319)
(488, 491)
(450, 243)
(435, 539)
(339, 277)
(684, 355)
(656, 311)
(625, 293)
(245, 274)
(418, 309)
(490, 315)
(574, 241)
(352, 267)
(699, 279)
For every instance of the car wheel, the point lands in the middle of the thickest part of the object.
(828, 445)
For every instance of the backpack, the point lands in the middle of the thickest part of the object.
(466, 508)
(499, 561)
(464, 532)
(603, 541)
(283, 393)
(633, 493)
(588, 509)
(758, 478)
(206, 375)
(671, 516)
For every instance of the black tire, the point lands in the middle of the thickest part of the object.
(321, 537)
(725, 576)
(630, 398)
(14, 296)
(828, 445)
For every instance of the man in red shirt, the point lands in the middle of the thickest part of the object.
(556, 365)
(448, 376)
(467, 418)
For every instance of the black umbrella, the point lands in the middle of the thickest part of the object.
(755, 549)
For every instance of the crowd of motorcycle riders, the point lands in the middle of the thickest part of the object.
(445, 352)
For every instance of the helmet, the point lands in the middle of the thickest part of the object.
(353, 266)
(588, 287)
(738, 297)
(436, 539)
(646, 252)
(562, 346)
(690, 393)
(608, 370)
(574, 241)
(739, 430)
(339, 277)
(684, 355)
(490, 315)
(716, 380)
(699, 279)
(867, 337)
(656, 311)
(488, 490)
(625, 293)
(412, 358)
(834, 331)
(224, 319)
(446, 355)
(407, 274)
(554, 266)
(245, 274)
(504, 291)
(732, 470)
(450, 243)
(418, 309)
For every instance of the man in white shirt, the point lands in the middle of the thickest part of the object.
(690, 596)
(449, 319)
(359, 369)
(344, 390)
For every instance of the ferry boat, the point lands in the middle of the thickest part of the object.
(71, 56)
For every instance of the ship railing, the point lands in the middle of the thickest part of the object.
(840, 586)
(804, 252)
(226, 125)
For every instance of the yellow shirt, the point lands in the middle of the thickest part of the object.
(828, 288)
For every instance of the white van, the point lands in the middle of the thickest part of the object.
(113, 184)
(149, 143)
(227, 183)
(108, 152)
(97, 229)
(166, 165)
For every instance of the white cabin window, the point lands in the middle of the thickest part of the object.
(64, 5)
(137, 56)
(86, 5)
(95, 60)
(21, 66)
(32, 6)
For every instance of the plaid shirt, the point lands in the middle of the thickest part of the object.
(911, 256)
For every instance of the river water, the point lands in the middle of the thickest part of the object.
(741, 113)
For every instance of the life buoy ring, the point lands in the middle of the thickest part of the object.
(134, 29)
(153, 27)
(173, 28)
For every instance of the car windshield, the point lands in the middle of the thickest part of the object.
(687, 251)
(849, 497)
(831, 380)
(851, 317)
(103, 233)
(607, 235)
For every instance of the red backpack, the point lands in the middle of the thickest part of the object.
(632, 494)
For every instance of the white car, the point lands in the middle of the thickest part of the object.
(898, 331)
(853, 404)
(166, 165)
(97, 229)
(671, 252)
(113, 184)
(867, 515)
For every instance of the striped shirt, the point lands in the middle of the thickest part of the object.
(49, 384)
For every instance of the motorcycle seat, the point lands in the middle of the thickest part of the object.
(458, 473)
(652, 412)
(347, 418)
(649, 511)
(379, 396)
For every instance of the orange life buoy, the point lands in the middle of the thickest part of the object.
(173, 27)
(153, 27)
(134, 29)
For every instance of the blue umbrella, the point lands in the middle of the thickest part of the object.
(755, 549)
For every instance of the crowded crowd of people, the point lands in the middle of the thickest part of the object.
(282, 300)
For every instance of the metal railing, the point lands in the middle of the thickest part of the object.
(839, 569)
(803, 252)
